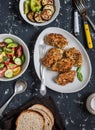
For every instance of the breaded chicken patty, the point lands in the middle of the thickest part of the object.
(75, 55)
(56, 40)
(52, 56)
(65, 78)
(62, 65)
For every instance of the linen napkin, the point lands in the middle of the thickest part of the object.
(8, 121)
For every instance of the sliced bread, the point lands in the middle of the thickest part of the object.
(30, 120)
(45, 109)
(48, 122)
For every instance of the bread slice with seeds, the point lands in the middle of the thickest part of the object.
(30, 120)
(46, 110)
(48, 121)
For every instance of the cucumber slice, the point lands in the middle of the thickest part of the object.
(23, 59)
(11, 45)
(9, 73)
(5, 58)
(1, 50)
(18, 61)
(8, 51)
(8, 40)
(2, 66)
(14, 58)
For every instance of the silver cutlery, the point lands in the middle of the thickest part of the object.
(42, 50)
(81, 8)
(83, 11)
(20, 87)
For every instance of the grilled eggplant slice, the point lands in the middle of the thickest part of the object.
(50, 7)
(38, 17)
(30, 16)
(45, 2)
(46, 14)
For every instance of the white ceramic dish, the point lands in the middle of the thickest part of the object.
(26, 52)
(57, 8)
(50, 75)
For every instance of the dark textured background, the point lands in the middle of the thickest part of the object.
(71, 106)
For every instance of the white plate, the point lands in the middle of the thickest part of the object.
(49, 75)
(57, 9)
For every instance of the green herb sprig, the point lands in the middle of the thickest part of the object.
(79, 74)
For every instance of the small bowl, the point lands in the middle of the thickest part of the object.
(57, 9)
(25, 50)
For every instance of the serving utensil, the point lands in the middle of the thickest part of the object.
(20, 87)
(81, 8)
(42, 50)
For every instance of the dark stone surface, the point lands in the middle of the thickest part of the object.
(71, 106)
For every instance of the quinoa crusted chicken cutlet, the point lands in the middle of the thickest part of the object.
(62, 65)
(56, 40)
(52, 56)
(65, 78)
(74, 55)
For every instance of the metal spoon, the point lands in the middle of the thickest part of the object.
(20, 87)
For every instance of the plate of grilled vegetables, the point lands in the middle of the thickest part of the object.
(66, 64)
(39, 12)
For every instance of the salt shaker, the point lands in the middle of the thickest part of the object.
(90, 103)
(76, 23)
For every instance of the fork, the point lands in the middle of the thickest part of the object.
(81, 8)
(42, 50)
(83, 11)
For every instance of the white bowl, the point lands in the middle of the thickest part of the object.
(57, 8)
(25, 50)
